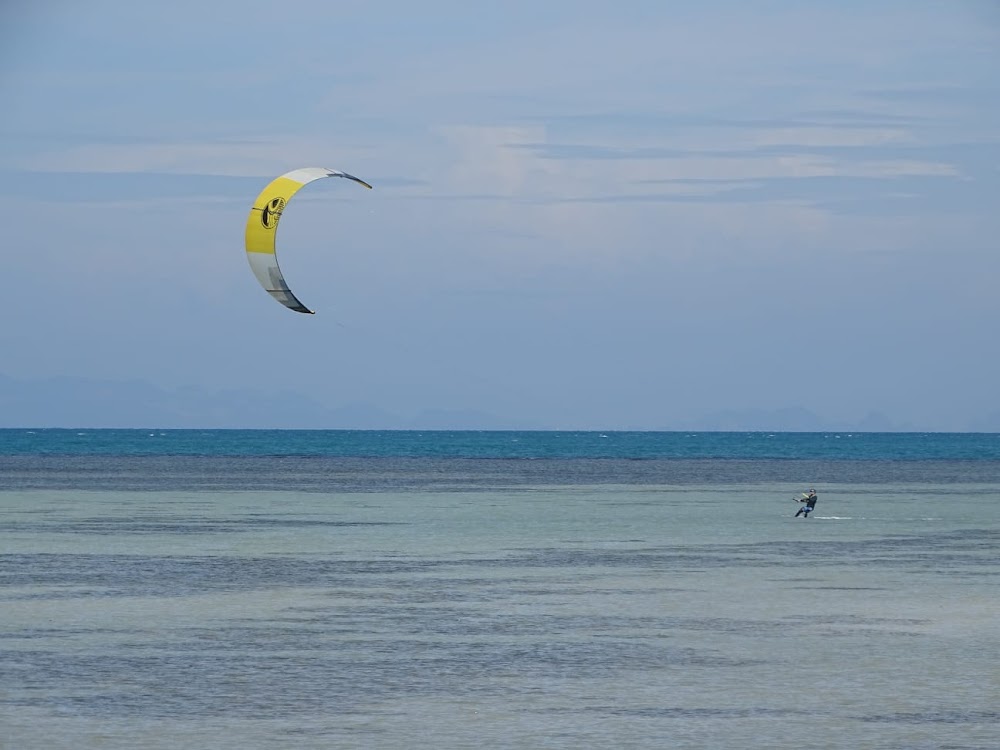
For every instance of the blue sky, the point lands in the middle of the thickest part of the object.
(585, 215)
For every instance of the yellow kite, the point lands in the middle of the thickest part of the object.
(262, 227)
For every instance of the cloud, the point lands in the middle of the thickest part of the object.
(240, 158)
(482, 160)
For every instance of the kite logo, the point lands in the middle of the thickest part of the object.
(271, 212)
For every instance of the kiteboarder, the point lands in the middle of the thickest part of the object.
(809, 504)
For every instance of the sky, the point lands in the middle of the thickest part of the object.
(585, 215)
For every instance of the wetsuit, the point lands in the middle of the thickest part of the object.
(809, 506)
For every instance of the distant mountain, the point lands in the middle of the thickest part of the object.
(791, 419)
(83, 402)
(989, 422)
(463, 419)
(795, 419)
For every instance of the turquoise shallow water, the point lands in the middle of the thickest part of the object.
(458, 603)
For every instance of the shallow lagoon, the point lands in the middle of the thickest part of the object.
(553, 616)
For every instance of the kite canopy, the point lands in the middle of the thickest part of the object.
(262, 228)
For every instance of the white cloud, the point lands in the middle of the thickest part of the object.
(485, 161)
(829, 136)
(243, 158)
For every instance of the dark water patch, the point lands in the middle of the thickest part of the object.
(260, 684)
(76, 593)
(460, 622)
(405, 613)
(30, 633)
(433, 590)
(852, 620)
(935, 551)
(831, 632)
(545, 625)
(590, 592)
(664, 712)
(117, 525)
(852, 626)
(174, 575)
(685, 558)
(140, 575)
(388, 474)
(954, 716)
(336, 731)
(727, 625)
(276, 636)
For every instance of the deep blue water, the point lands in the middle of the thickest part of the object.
(364, 461)
(826, 446)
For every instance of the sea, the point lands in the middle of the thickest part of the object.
(243, 589)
